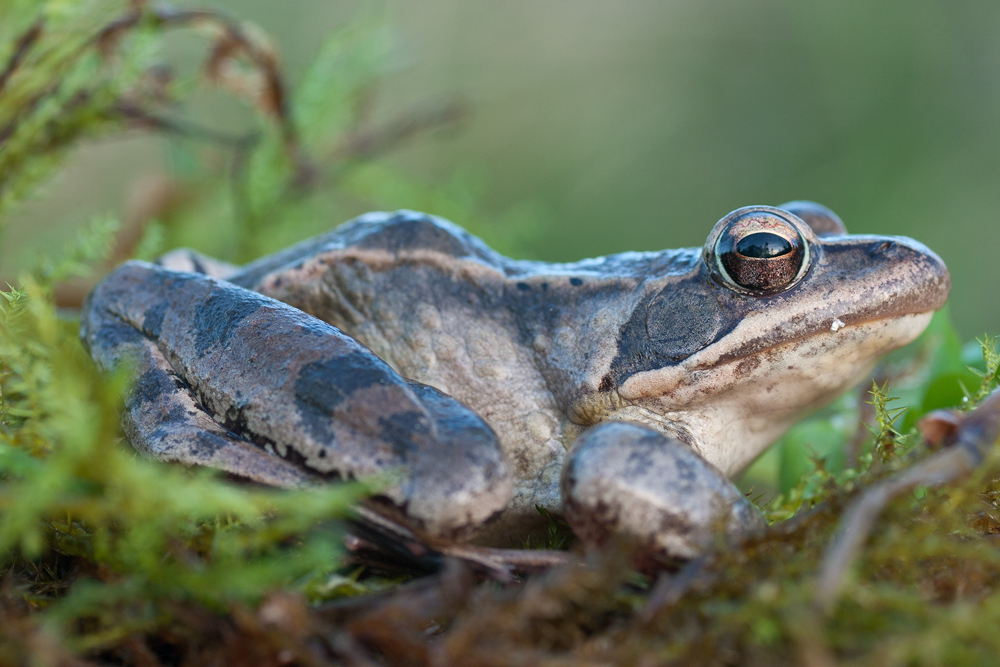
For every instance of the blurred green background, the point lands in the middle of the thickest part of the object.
(637, 124)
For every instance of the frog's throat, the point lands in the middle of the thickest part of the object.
(736, 409)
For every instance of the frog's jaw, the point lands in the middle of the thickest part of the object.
(733, 412)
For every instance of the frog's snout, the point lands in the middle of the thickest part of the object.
(893, 275)
(926, 281)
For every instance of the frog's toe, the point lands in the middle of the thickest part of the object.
(656, 493)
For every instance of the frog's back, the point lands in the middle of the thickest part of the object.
(407, 232)
(436, 303)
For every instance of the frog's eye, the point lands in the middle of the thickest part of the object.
(760, 251)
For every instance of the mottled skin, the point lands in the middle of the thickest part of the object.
(708, 372)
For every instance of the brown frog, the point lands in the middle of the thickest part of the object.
(621, 391)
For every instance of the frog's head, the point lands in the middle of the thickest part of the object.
(783, 312)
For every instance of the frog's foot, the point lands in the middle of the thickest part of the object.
(654, 492)
(232, 379)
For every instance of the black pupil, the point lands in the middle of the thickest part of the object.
(762, 245)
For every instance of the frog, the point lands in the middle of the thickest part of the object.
(623, 393)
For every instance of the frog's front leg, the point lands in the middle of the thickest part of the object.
(653, 491)
(225, 374)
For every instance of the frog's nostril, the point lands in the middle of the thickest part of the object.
(883, 248)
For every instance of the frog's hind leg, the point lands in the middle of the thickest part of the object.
(655, 492)
(290, 384)
(165, 421)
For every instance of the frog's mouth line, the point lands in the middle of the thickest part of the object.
(831, 326)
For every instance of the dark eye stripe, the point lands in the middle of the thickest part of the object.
(763, 245)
